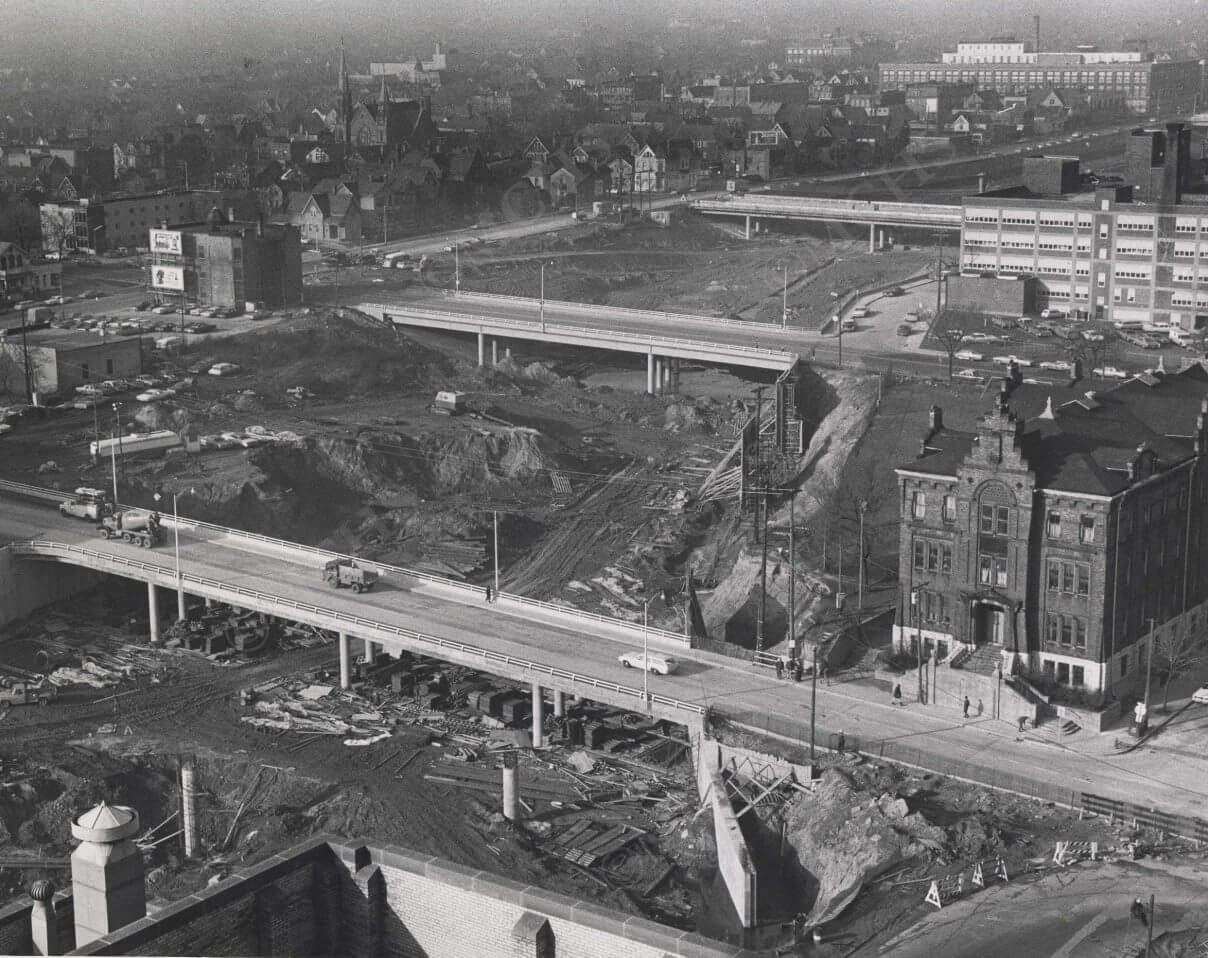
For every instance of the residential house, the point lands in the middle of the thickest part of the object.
(650, 170)
(323, 217)
(22, 274)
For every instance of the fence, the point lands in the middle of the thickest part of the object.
(899, 753)
(334, 618)
(1184, 826)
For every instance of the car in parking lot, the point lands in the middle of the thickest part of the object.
(1007, 360)
(1092, 337)
(154, 395)
(200, 328)
(896, 291)
(163, 310)
(655, 662)
(1200, 695)
(978, 338)
(968, 374)
(1110, 372)
(223, 369)
(1060, 365)
(969, 356)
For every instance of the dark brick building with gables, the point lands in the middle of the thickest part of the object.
(1049, 537)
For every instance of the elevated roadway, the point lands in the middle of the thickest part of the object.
(578, 655)
(753, 207)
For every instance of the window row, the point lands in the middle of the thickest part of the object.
(1068, 630)
(1086, 527)
(918, 507)
(1071, 578)
(931, 556)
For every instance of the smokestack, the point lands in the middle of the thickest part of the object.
(1036, 20)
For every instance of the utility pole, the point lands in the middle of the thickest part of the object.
(784, 303)
(793, 650)
(1149, 932)
(918, 636)
(861, 508)
(29, 382)
(813, 703)
(939, 270)
(761, 533)
(1148, 670)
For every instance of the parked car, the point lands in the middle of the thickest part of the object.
(1053, 313)
(1110, 372)
(1007, 360)
(968, 374)
(155, 395)
(201, 327)
(164, 310)
(896, 291)
(969, 356)
(1059, 365)
(223, 369)
(1200, 695)
(648, 661)
(143, 306)
(905, 329)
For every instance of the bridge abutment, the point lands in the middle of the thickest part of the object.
(494, 351)
(650, 373)
(872, 237)
(482, 348)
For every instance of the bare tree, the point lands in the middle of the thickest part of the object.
(1175, 653)
(950, 338)
(58, 228)
(1090, 353)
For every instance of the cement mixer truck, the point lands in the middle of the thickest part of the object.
(137, 528)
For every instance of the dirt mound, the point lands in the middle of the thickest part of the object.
(486, 457)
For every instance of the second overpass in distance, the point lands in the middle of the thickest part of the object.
(827, 210)
(664, 338)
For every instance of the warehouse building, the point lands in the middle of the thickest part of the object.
(61, 360)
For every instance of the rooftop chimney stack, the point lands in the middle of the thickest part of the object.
(44, 925)
(107, 885)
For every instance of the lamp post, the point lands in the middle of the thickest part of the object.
(181, 611)
(645, 649)
(496, 515)
(456, 267)
(784, 300)
(542, 297)
(916, 602)
(113, 454)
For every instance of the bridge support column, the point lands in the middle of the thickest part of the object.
(666, 384)
(507, 351)
(153, 612)
(559, 705)
(494, 351)
(675, 376)
(538, 716)
(880, 239)
(482, 349)
(650, 374)
(345, 661)
(658, 375)
(872, 237)
(748, 219)
(371, 652)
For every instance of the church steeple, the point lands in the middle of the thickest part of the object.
(345, 96)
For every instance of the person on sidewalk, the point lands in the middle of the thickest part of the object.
(897, 694)
(1138, 911)
(779, 668)
(1023, 723)
(967, 704)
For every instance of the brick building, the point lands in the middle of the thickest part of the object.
(1050, 537)
(223, 263)
(60, 360)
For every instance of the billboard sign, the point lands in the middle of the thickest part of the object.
(168, 277)
(165, 241)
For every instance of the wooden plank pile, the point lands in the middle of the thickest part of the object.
(587, 842)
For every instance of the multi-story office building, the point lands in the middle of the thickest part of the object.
(114, 221)
(1149, 87)
(800, 53)
(1098, 255)
(221, 263)
(1062, 530)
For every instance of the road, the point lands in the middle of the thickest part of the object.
(984, 746)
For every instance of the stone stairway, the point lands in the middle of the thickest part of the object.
(984, 661)
(1056, 728)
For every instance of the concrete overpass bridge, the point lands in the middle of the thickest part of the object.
(665, 339)
(557, 649)
(754, 207)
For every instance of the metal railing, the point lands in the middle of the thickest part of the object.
(43, 494)
(1195, 829)
(776, 357)
(340, 621)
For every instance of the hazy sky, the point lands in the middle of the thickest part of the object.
(121, 30)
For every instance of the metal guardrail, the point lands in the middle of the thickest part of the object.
(651, 315)
(343, 621)
(479, 592)
(1184, 826)
(777, 356)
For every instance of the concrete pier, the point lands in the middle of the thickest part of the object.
(345, 661)
(152, 613)
(538, 716)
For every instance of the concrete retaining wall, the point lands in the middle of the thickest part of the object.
(734, 859)
(29, 584)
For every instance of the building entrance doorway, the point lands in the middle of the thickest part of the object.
(989, 623)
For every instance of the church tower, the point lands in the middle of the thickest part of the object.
(345, 97)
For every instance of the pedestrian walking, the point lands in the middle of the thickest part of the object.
(488, 595)
(980, 708)
(897, 694)
(1023, 723)
(797, 671)
(780, 668)
(967, 703)
(1138, 911)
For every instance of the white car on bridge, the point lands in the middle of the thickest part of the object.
(969, 355)
(1017, 360)
(654, 662)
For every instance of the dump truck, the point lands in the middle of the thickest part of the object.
(137, 528)
(346, 574)
(86, 503)
(27, 693)
(448, 403)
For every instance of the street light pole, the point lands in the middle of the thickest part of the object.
(180, 582)
(496, 514)
(457, 267)
(543, 297)
(645, 650)
(784, 302)
(113, 456)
